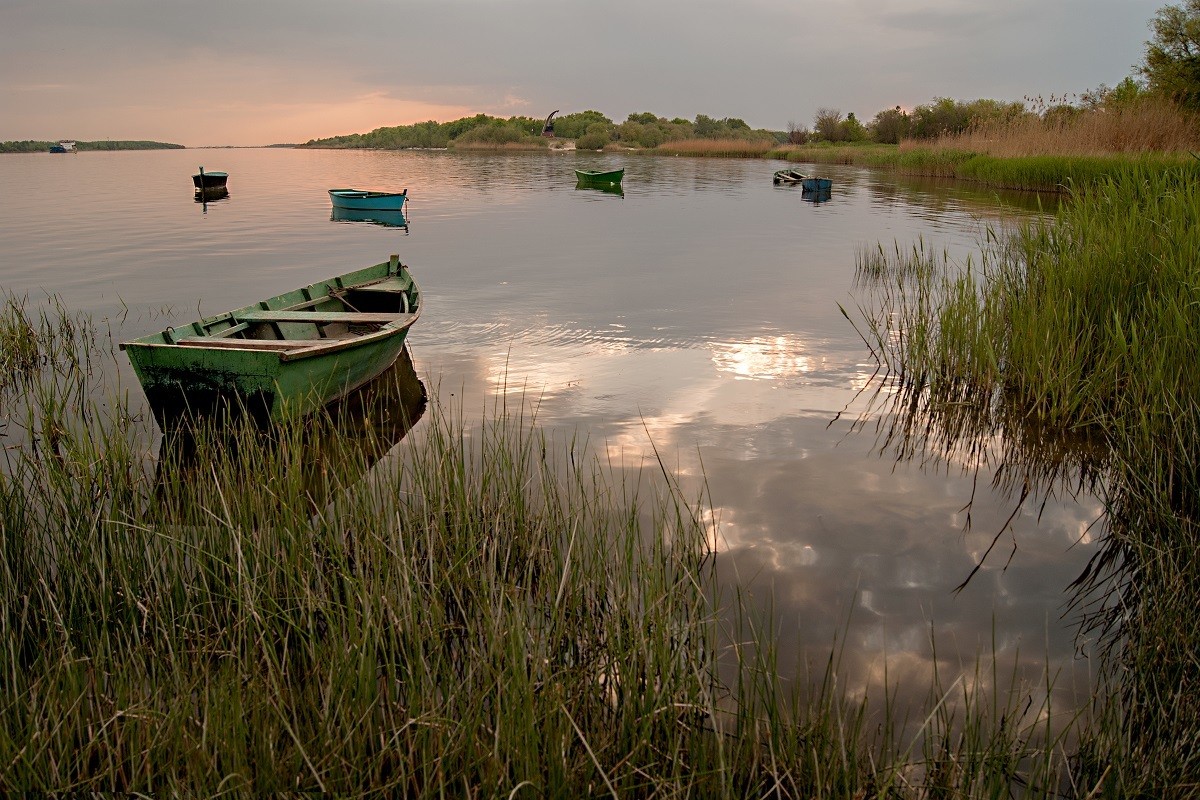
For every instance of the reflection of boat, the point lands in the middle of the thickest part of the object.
(207, 181)
(387, 218)
(293, 352)
(209, 195)
(63, 146)
(807, 182)
(816, 196)
(365, 200)
(593, 177)
(340, 444)
(607, 188)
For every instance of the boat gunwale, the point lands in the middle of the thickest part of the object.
(333, 287)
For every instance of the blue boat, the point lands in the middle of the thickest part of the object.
(816, 184)
(63, 146)
(365, 200)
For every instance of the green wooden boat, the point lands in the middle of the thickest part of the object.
(591, 176)
(292, 353)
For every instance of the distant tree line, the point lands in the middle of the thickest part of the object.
(31, 146)
(1171, 69)
(590, 130)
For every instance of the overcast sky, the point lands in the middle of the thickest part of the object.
(247, 72)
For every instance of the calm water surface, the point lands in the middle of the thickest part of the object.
(699, 309)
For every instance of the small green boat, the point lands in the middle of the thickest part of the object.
(292, 353)
(591, 176)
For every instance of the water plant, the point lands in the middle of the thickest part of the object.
(482, 609)
(1085, 330)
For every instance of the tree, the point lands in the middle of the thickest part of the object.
(1172, 63)
(827, 123)
(851, 130)
(890, 126)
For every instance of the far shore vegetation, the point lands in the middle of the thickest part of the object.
(1034, 145)
(32, 146)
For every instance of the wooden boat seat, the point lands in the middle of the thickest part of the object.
(389, 285)
(301, 315)
(252, 344)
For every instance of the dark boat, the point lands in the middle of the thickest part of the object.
(205, 181)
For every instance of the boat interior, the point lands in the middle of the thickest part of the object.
(317, 321)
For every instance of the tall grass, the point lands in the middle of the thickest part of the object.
(717, 148)
(1088, 326)
(1148, 126)
(483, 611)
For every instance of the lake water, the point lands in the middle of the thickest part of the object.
(699, 310)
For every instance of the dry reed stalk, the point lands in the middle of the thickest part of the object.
(1148, 126)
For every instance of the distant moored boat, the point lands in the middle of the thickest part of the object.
(63, 146)
(210, 180)
(592, 176)
(367, 200)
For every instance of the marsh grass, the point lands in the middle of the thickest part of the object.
(481, 611)
(1148, 126)
(717, 148)
(1085, 329)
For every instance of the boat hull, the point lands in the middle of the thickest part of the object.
(289, 367)
(364, 200)
(816, 184)
(593, 177)
(210, 180)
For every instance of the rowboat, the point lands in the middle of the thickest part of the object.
(292, 353)
(591, 176)
(787, 176)
(365, 200)
(807, 182)
(207, 181)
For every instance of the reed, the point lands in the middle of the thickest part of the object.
(1151, 125)
(488, 611)
(1086, 327)
(717, 148)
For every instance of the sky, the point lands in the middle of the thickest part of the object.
(255, 72)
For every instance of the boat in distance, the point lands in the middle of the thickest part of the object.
(592, 176)
(808, 183)
(63, 146)
(288, 354)
(207, 181)
(367, 200)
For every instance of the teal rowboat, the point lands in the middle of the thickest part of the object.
(367, 200)
(292, 353)
(591, 176)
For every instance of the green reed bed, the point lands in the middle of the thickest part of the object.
(1041, 173)
(483, 611)
(1089, 325)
